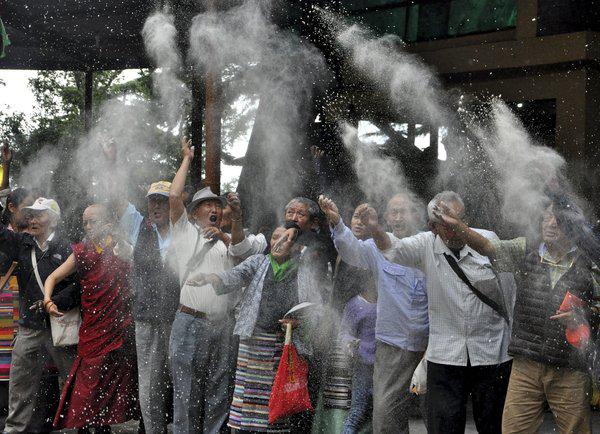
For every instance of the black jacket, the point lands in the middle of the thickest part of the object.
(67, 294)
(155, 284)
(535, 335)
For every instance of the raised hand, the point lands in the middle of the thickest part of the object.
(316, 152)
(186, 149)
(448, 218)
(110, 151)
(330, 209)
(233, 200)
(368, 216)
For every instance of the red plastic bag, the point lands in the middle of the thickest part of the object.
(577, 336)
(289, 394)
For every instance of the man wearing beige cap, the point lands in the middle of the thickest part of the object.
(156, 288)
(34, 339)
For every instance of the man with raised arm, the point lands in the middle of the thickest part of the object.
(552, 321)
(468, 340)
(402, 325)
(202, 348)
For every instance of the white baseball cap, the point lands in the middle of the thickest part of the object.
(43, 204)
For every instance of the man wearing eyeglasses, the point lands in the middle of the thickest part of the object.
(551, 329)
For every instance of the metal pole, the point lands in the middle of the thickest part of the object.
(88, 100)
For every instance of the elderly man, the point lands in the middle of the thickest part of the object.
(34, 338)
(402, 324)
(202, 348)
(468, 340)
(156, 288)
(304, 220)
(551, 327)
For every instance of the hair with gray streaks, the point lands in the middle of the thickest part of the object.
(313, 208)
(447, 197)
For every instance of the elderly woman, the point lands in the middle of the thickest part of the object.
(102, 387)
(274, 283)
(34, 339)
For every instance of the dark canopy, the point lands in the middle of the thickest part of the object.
(90, 34)
(74, 34)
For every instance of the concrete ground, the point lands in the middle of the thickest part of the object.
(416, 426)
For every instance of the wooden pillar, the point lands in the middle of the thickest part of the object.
(212, 124)
(196, 130)
(213, 132)
(88, 100)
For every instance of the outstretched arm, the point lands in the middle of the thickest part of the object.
(352, 250)
(176, 192)
(66, 269)
(228, 281)
(237, 225)
(369, 218)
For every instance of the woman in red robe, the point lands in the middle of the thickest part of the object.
(101, 389)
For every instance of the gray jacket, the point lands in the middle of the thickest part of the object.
(250, 275)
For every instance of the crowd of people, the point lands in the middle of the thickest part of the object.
(178, 315)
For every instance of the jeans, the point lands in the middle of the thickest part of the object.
(155, 390)
(26, 374)
(448, 388)
(202, 355)
(361, 407)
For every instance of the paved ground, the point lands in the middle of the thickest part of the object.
(416, 426)
(548, 427)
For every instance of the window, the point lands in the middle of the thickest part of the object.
(434, 19)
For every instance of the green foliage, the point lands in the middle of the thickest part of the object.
(58, 117)
(56, 125)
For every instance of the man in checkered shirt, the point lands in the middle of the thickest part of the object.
(468, 340)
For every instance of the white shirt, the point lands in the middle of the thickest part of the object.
(44, 246)
(187, 241)
(461, 327)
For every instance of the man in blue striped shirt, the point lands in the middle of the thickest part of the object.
(402, 326)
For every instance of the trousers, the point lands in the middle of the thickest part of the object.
(29, 356)
(154, 378)
(202, 354)
(394, 368)
(567, 392)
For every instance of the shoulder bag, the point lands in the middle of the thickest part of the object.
(65, 329)
(489, 292)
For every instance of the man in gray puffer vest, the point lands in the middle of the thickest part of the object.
(552, 321)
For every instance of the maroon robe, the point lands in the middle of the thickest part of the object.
(102, 386)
